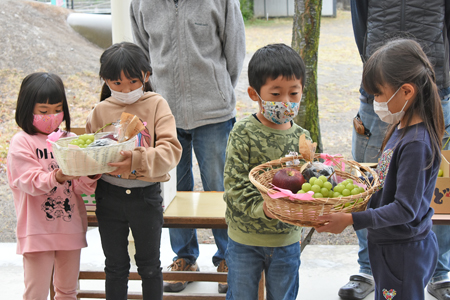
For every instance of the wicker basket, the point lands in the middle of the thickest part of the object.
(89, 160)
(305, 212)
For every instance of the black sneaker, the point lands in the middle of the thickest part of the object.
(440, 290)
(357, 288)
(179, 265)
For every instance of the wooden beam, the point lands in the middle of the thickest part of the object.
(166, 296)
(167, 275)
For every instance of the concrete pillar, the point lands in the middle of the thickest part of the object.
(94, 27)
(121, 24)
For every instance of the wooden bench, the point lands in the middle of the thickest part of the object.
(441, 219)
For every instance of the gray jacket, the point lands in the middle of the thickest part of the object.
(196, 50)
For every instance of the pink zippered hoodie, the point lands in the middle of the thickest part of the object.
(50, 216)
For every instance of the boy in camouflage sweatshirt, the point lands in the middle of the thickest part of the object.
(257, 240)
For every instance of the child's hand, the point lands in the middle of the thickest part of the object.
(123, 167)
(335, 223)
(267, 212)
(61, 177)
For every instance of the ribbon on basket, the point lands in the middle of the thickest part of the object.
(328, 161)
(287, 193)
(53, 137)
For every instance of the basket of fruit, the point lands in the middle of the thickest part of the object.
(89, 154)
(299, 188)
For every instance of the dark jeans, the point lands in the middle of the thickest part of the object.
(209, 143)
(119, 209)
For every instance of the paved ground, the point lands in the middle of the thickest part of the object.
(324, 269)
(322, 265)
(339, 69)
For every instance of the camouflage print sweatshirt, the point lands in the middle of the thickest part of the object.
(250, 144)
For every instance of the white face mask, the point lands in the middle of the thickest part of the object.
(382, 110)
(128, 98)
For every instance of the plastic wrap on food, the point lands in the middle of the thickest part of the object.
(102, 142)
(316, 169)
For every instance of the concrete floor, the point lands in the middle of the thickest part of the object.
(323, 271)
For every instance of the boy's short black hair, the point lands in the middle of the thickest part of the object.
(272, 61)
(40, 87)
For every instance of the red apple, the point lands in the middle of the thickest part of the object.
(289, 179)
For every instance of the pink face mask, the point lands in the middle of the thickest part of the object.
(48, 123)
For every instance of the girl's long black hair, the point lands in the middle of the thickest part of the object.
(39, 87)
(126, 57)
(403, 61)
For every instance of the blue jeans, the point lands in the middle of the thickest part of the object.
(209, 143)
(246, 263)
(443, 265)
(446, 109)
(363, 252)
(367, 150)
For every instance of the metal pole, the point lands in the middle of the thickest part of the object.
(120, 21)
(265, 12)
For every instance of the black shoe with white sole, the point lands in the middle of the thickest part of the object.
(357, 288)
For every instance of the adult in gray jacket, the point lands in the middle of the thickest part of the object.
(196, 49)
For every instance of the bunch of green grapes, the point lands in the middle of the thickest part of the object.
(322, 188)
(83, 140)
(347, 188)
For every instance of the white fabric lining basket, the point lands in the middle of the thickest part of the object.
(89, 160)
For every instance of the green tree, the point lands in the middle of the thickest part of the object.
(246, 9)
(305, 40)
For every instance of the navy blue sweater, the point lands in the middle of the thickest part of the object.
(400, 211)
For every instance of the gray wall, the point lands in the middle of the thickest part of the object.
(285, 8)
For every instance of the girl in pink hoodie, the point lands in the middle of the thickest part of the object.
(51, 216)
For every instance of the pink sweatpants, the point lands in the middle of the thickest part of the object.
(38, 268)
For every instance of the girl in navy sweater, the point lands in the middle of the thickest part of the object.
(402, 248)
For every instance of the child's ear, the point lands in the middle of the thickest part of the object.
(409, 91)
(147, 77)
(252, 94)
